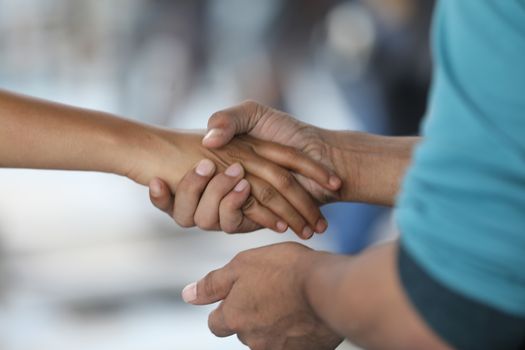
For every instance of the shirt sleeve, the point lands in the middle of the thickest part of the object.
(460, 321)
(461, 210)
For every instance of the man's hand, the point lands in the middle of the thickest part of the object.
(371, 167)
(226, 196)
(277, 199)
(269, 124)
(263, 300)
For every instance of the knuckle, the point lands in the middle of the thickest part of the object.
(266, 194)
(213, 327)
(217, 116)
(250, 104)
(185, 223)
(219, 119)
(234, 154)
(228, 206)
(240, 258)
(158, 203)
(249, 204)
(204, 223)
(229, 226)
(285, 180)
(258, 344)
(237, 259)
(242, 339)
(252, 108)
(291, 153)
(232, 321)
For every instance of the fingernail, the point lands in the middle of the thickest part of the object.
(189, 293)
(212, 133)
(307, 232)
(205, 167)
(281, 226)
(241, 186)
(155, 188)
(334, 181)
(234, 170)
(321, 226)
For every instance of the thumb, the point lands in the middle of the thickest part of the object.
(225, 124)
(214, 287)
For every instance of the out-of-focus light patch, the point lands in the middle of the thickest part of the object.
(351, 36)
(52, 209)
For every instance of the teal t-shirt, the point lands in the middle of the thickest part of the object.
(462, 207)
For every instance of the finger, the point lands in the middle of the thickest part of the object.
(293, 159)
(225, 124)
(189, 191)
(207, 212)
(214, 287)
(232, 218)
(160, 196)
(217, 323)
(263, 216)
(269, 197)
(288, 187)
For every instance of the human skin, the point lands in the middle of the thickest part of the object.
(314, 299)
(371, 166)
(44, 135)
(289, 297)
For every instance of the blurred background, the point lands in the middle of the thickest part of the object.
(85, 261)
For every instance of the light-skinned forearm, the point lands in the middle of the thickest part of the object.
(45, 135)
(372, 166)
(362, 299)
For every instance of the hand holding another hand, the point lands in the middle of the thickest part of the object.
(213, 203)
(276, 201)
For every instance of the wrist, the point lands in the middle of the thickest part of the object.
(371, 166)
(322, 273)
(146, 152)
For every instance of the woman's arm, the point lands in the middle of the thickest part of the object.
(45, 135)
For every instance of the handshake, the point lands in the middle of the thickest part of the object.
(256, 167)
(262, 168)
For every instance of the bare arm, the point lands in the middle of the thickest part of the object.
(362, 299)
(372, 166)
(46, 135)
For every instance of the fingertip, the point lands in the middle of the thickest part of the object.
(281, 226)
(307, 233)
(334, 182)
(189, 293)
(321, 226)
(214, 138)
(241, 186)
(205, 168)
(155, 188)
(234, 170)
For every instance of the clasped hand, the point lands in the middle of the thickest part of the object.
(289, 173)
